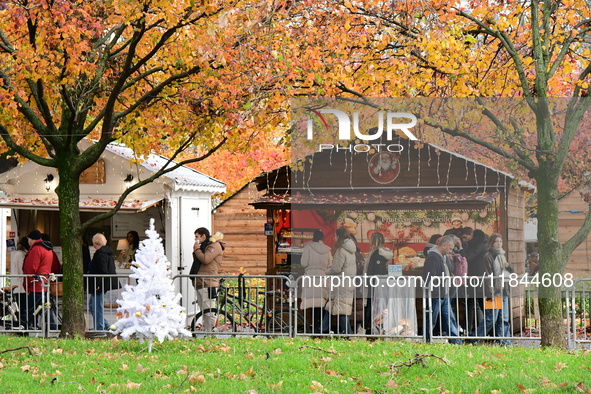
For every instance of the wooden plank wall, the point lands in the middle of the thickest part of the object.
(515, 238)
(243, 228)
(579, 263)
(515, 248)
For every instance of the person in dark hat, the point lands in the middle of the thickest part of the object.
(37, 263)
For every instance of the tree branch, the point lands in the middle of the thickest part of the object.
(147, 97)
(23, 151)
(509, 47)
(569, 246)
(5, 43)
(493, 147)
(164, 170)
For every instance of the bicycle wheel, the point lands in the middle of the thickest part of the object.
(224, 321)
(278, 322)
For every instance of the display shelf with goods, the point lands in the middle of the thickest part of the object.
(290, 245)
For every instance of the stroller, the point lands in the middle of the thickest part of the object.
(9, 310)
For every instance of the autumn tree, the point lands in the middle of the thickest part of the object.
(160, 76)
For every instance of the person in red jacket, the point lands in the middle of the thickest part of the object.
(56, 266)
(38, 262)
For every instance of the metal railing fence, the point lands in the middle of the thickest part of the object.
(382, 307)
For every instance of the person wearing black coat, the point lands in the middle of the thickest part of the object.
(474, 253)
(102, 262)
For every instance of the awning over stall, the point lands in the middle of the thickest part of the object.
(86, 204)
(341, 199)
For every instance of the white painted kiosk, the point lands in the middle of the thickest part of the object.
(179, 201)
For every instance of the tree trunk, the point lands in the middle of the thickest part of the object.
(68, 192)
(551, 262)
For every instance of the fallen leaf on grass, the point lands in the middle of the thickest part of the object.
(325, 359)
(250, 371)
(521, 388)
(278, 385)
(277, 351)
(57, 351)
(132, 385)
(331, 372)
(580, 387)
(25, 368)
(392, 384)
(1, 365)
(140, 368)
(196, 378)
(225, 349)
(249, 355)
(182, 371)
(483, 365)
(124, 367)
(559, 367)
(316, 386)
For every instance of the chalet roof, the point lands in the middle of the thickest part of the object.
(427, 174)
(21, 186)
(351, 199)
(88, 203)
(185, 178)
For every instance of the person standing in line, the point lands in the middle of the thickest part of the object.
(102, 263)
(38, 262)
(377, 265)
(16, 268)
(126, 257)
(496, 320)
(56, 266)
(431, 244)
(344, 263)
(533, 264)
(316, 258)
(466, 236)
(208, 253)
(475, 252)
(439, 303)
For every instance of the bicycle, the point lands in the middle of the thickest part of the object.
(9, 309)
(46, 311)
(251, 316)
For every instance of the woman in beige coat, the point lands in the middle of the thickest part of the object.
(208, 253)
(316, 258)
(342, 291)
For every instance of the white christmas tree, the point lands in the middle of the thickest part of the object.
(151, 309)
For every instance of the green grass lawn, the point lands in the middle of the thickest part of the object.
(261, 365)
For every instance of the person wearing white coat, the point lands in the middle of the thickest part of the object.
(316, 259)
(344, 265)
